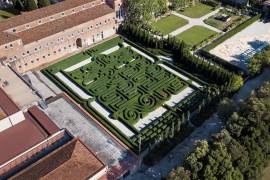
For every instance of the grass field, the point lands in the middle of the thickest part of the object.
(169, 24)
(197, 11)
(5, 14)
(129, 86)
(195, 35)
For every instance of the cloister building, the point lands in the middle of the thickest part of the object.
(44, 35)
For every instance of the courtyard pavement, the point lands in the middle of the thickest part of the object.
(66, 115)
(241, 47)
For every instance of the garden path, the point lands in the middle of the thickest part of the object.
(194, 22)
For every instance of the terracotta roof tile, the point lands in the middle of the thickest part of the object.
(43, 120)
(40, 13)
(6, 38)
(19, 138)
(56, 26)
(6, 104)
(71, 161)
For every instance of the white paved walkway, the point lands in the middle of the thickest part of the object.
(150, 118)
(115, 122)
(175, 99)
(72, 86)
(78, 65)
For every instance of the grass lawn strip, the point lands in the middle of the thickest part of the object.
(195, 35)
(79, 65)
(139, 52)
(5, 14)
(180, 75)
(115, 122)
(168, 24)
(111, 50)
(197, 11)
(73, 86)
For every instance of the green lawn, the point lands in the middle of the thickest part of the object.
(169, 24)
(5, 14)
(197, 11)
(195, 35)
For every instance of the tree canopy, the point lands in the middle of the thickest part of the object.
(240, 150)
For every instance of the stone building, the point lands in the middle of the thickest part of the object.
(44, 35)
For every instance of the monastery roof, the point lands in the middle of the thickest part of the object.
(7, 106)
(58, 25)
(71, 161)
(30, 16)
(7, 37)
(19, 138)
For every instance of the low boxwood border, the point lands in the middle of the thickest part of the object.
(97, 115)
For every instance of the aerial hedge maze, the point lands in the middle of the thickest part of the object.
(129, 86)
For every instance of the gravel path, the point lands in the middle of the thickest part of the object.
(210, 126)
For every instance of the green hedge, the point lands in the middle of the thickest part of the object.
(232, 32)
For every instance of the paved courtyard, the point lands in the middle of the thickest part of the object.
(245, 44)
(65, 115)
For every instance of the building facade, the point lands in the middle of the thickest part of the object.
(44, 35)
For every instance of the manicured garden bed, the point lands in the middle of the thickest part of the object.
(168, 24)
(129, 86)
(195, 35)
(197, 11)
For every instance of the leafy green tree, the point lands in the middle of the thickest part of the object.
(179, 174)
(225, 108)
(43, 3)
(30, 5)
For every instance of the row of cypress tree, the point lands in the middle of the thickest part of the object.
(29, 5)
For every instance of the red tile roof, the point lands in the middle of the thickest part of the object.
(67, 22)
(43, 120)
(53, 27)
(71, 161)
(6, 104)
(19, 138)
(41, 13)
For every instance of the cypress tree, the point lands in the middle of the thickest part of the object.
(31, 5)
